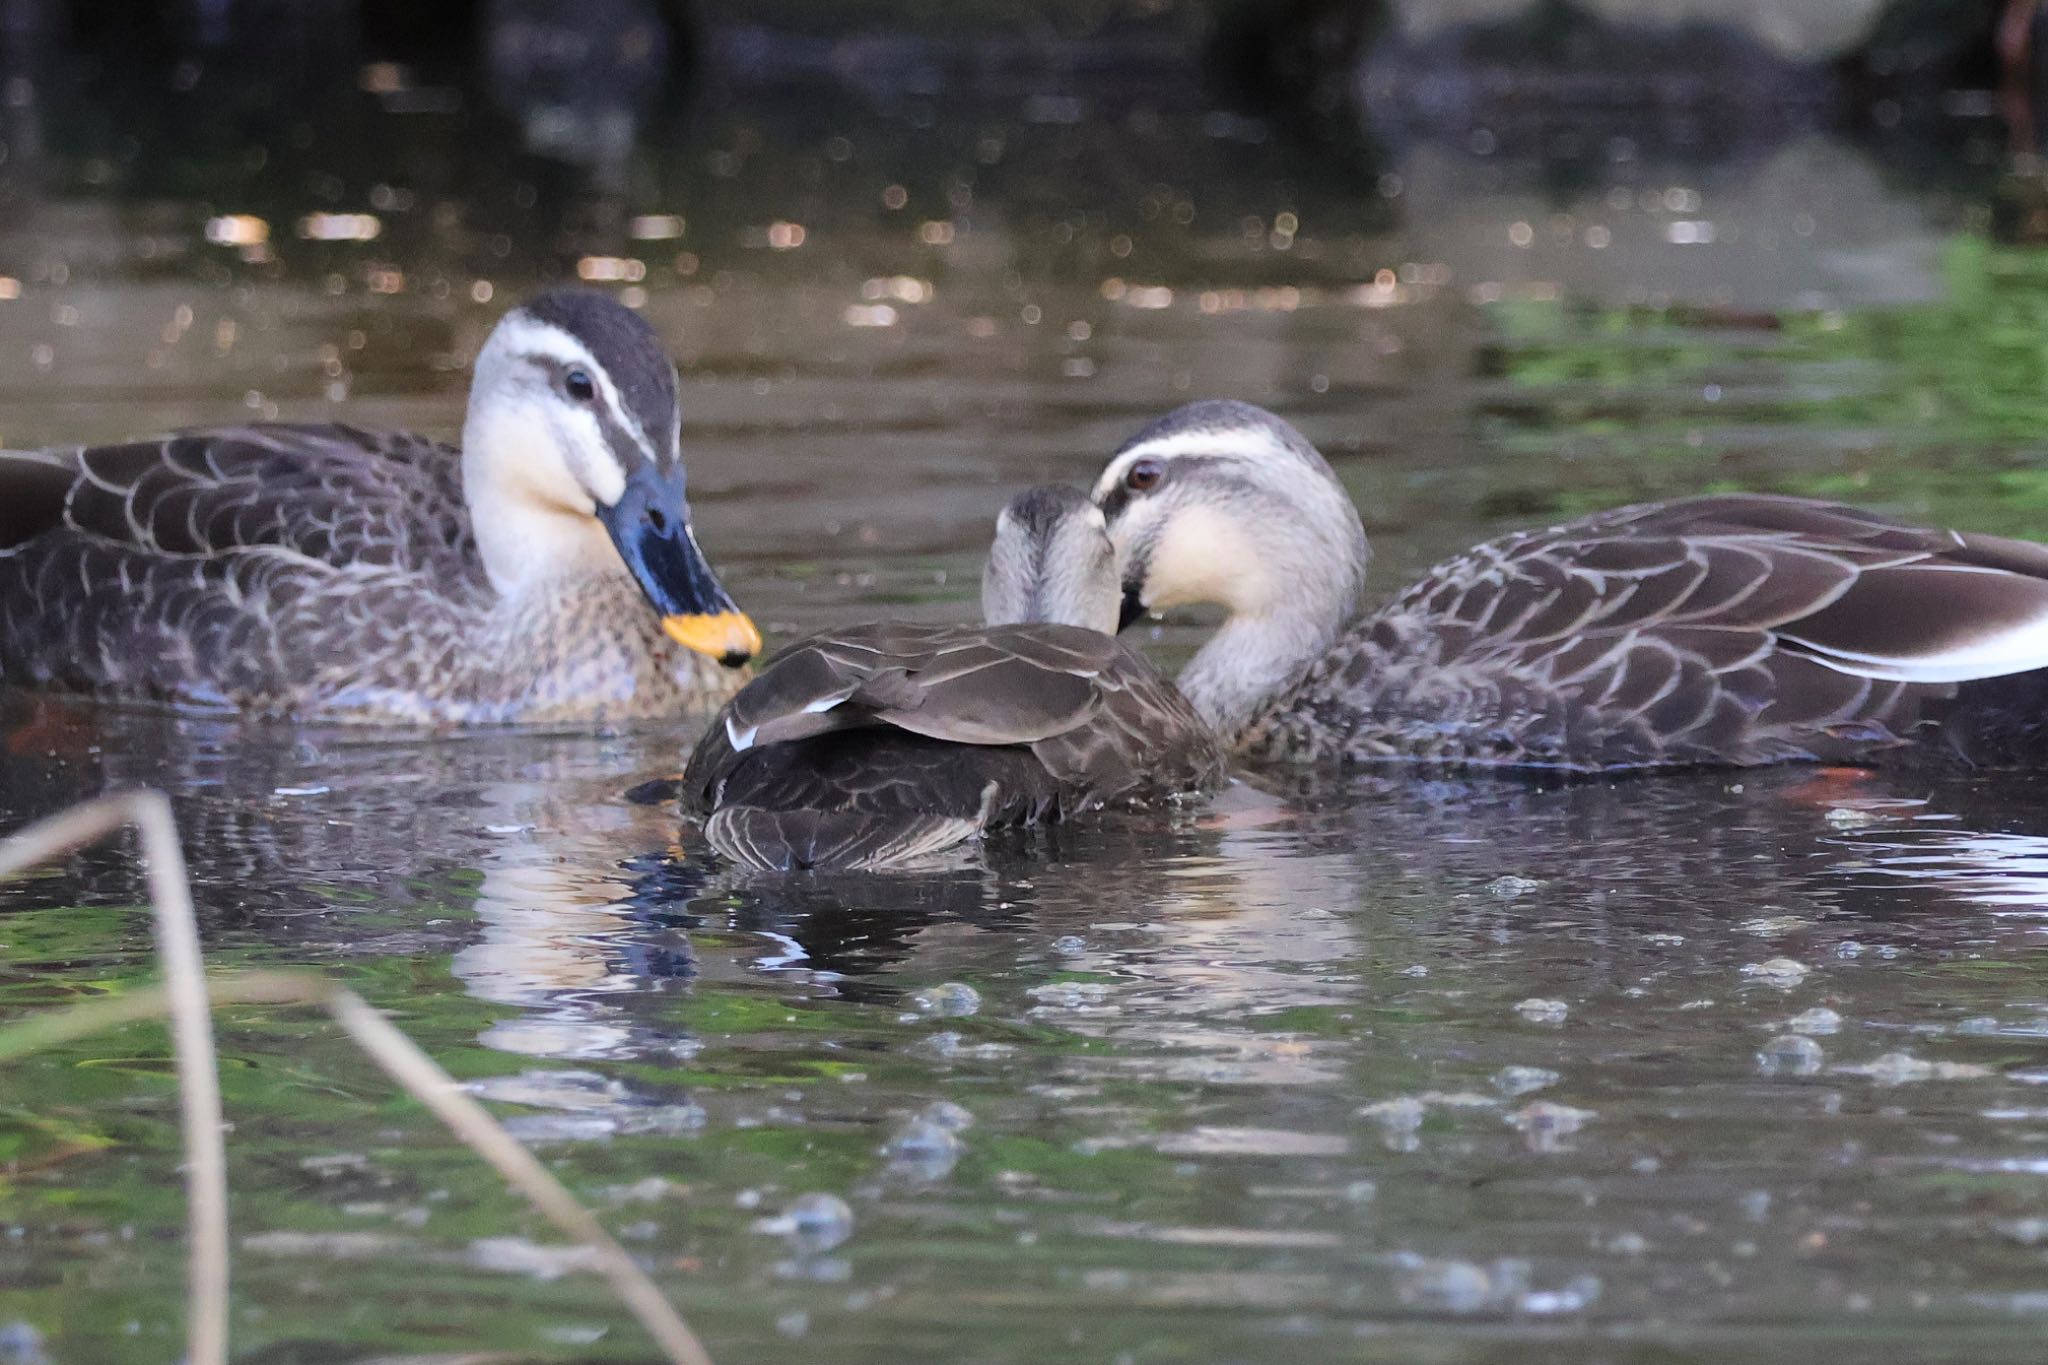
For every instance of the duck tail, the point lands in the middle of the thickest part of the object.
(834, 840)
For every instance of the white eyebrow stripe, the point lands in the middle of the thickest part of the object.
(1241, 441)
(552, 343)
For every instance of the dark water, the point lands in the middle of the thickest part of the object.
(1717, 1068)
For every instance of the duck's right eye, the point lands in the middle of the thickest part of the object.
(1144, 475)
(579, 385)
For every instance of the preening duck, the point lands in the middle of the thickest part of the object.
(1735, 629)
(323, 572)
(879, 744)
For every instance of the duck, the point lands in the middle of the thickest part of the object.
(1719, 630)
(885, 744)
(545, 573)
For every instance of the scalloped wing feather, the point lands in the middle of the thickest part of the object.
(1726, 629)
(997, 725)
(255, 566)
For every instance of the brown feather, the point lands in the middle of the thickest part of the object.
(1708, 630)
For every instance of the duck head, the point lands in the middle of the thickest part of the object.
(572, 463)
(1051, 561)
(1223, 503)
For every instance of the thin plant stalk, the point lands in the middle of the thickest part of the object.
(184, 999)
(399, 1057)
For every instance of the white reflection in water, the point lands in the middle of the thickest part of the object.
(2007, 872)
(553, 912)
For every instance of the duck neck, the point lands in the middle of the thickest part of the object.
(1251, 660)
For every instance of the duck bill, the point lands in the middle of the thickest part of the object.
(650, 524)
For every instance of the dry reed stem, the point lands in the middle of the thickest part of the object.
(184, 999)
(187, 994)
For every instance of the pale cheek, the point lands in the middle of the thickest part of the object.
(1202, 558)
(514, 455)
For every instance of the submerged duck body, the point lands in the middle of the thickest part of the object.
(1720, 630)
(544, 573)
(881, 743)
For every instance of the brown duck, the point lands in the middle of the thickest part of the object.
(1732, 629)
(546, 572)
(880, 744)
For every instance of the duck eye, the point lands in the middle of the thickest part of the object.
(1144, 475)
(578, 384)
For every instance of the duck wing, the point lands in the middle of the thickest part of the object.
(219, 567)
(1727, 629)
(905, 725)
(331, 493)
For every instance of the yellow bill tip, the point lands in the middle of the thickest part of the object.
(727, 636)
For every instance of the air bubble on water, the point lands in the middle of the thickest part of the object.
(652, 1190)
(948, 999)
(1903, 1068)
(574, 1334)
(1848, 947)
(951, 1047)
(1778, 971)
(1818, 1020)
(1771, 926)
(663, 1120)
(923, 1150)
(1400, 1121)
(1664, 940)
(1361, 1192)
(1790, 1054)
(813, 1223)
(518, 1256)
(1848, 817)
(1540, 1011)
(1628, 1244)
(1448, 1287)
(542, 1128)
(1417, 970)
(944, 1046)
(1523, 1080)
(1512, 885)
(1578, 1294)
(947, 1115)
(1405, 1112)
(1070, 995)
(1465, 1287)
(1544, 1123)
(21, 1344)
(1070, 945)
